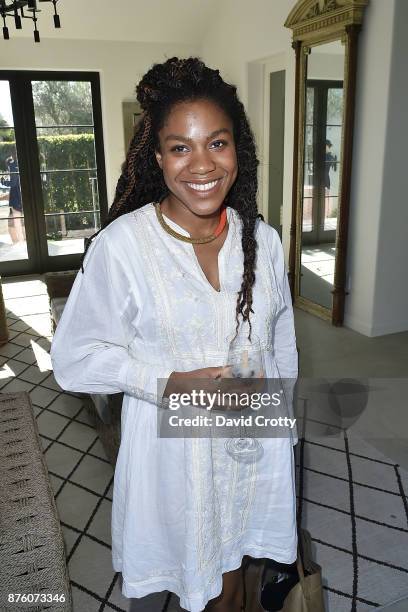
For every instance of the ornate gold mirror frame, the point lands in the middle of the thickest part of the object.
(316, 24)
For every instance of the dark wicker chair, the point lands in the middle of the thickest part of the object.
(32, 554)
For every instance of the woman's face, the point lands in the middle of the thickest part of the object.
(197, 155)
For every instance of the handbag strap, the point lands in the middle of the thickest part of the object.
(300, 568)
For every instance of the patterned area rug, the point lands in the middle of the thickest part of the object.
(353, 500)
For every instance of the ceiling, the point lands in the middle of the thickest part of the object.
(152, 21)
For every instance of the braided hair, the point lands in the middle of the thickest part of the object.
(164, 85)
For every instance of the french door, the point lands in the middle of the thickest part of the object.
(323, 129)
(52, 169)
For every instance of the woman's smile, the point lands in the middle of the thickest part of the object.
(203, 189)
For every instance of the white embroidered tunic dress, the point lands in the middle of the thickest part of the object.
(184, 511)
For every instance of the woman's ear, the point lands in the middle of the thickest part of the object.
(159, 159)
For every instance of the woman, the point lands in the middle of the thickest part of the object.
(153, 309)
(16, 219)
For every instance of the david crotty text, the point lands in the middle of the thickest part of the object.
(222, 421)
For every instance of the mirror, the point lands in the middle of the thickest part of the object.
(322, 129)
(325, 34)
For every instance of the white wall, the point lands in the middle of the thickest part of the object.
(392, 255)
(243, 32)
(373, 80)
(256, 37)
(258, 111)
(120, 64)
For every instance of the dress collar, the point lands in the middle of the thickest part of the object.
(230, 217)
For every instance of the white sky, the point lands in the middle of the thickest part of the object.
(5, 102)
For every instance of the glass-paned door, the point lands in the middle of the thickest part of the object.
(65, 134)
(309, 210)
(323, 129)
(13, 245)
(334, 123)
(59, 139)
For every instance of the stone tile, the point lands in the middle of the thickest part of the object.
(101, 523)
(17, 385)
(78, 435)
(84, 417)
(50, 424)
(93, 473)
(24, 339)
(17, 288)
(61, 459)
(75, 505)
(13, 333)
(37, 410)
(44, 343)
(43, 397)
(82, 567)
(67, 405)
(70, 537)
(27, 355)
(9, 350)
(82, 602)
(4, 381)
(56, 482)
(40, 324)
(98, 450)
(29, 305)
(51, 383)
(34, 375)
(9, 370)
(45, 443)
(110, 491)
(19, 326)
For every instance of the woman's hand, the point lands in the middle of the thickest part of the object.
(184, 382)
(212, 380)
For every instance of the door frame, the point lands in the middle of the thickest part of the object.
(276, 148)
(39, 261)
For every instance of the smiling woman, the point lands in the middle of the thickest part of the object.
(199, 167)
(183, 262)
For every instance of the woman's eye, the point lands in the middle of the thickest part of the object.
(179, 148)
(218, 144)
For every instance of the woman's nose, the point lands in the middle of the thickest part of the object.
(201, 162)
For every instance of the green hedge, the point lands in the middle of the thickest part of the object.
(68, 191)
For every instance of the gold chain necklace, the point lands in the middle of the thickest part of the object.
(172, 232)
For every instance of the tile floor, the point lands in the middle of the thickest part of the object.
(82, 477)
(80, 473)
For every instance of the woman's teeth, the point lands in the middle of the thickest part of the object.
(203, 187)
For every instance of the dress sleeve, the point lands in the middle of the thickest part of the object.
(90, 348)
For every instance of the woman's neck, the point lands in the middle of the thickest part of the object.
(196, 225)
